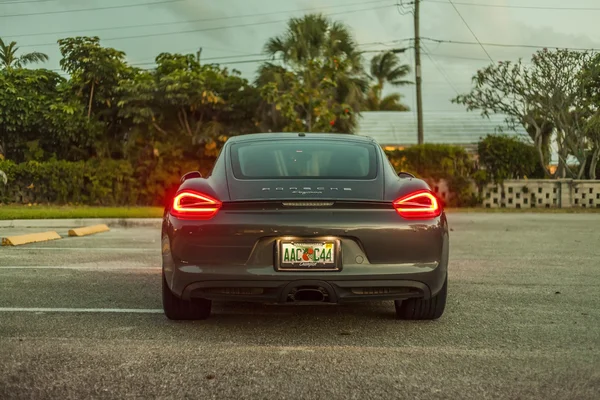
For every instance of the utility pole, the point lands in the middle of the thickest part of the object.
(198, 55)
(418, 76)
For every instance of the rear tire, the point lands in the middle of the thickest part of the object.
(179, 309)
(420, 309)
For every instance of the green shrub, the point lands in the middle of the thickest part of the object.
(93, 182)
(507, 157)
(435, 162)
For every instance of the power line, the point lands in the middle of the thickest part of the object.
(235, 62)
(142, 63)
(458, 57)
(211, 29)
(194, 20)
(249, 55)
(429, 53)
(388, 44)
(518, 6)
(251, 61)
(395, 51)
(403, 8)
(90, 9)
(241, 54)
(24, 1)
(471, 30)
(269, 59)
(209, 59)
(444, 75)
(465, 58)
(530, 46)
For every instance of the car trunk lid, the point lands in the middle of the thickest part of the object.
(303, 190)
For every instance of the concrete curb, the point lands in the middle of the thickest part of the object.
(89, 230)
(82, 222)
(30, 238)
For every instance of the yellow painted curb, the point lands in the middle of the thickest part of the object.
(30, 238)
(88, 230)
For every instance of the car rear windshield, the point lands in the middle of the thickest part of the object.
(305, 158)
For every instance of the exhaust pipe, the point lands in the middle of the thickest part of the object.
(312, 295)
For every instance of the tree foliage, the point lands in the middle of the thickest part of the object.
(188, 104)
(9, 58)
(317, 81)
(39, 120)
(386, 69)
(375, 101)
(507, 157)
(95, 70)
(147, 123)
(591, 83)
(547, 98)
(95, 75)
(315, 101)
(435, 162)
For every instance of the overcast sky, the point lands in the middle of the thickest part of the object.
(231, 31)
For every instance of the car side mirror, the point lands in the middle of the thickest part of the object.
(405, 175)
(191, 175)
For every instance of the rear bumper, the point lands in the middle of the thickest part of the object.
(282, 292)
(407, 259)
(265, 284)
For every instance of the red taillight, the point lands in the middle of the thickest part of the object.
(418, 205)
(194, 205)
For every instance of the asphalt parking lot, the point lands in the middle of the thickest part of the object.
(81, 318)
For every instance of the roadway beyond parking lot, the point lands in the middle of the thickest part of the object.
(81, 318)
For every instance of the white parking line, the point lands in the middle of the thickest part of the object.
(85, 310)
(151, 249)
(82, 268)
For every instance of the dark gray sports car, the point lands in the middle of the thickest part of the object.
(310, 218)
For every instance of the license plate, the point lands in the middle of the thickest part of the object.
(308, 255)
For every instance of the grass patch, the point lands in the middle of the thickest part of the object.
(56, 212)
(9, 212)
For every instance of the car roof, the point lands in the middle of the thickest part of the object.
(296, 135)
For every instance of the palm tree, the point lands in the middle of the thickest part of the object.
(9, 59)
(316, 40)
(386, 68)
(391, 102)
(314, 37)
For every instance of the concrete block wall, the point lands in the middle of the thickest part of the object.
(440, 188)
(585, 194)
(542, 194)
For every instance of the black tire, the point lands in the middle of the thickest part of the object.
(179, 309)
(420, 309)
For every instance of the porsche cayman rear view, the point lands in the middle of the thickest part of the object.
(304, 218)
